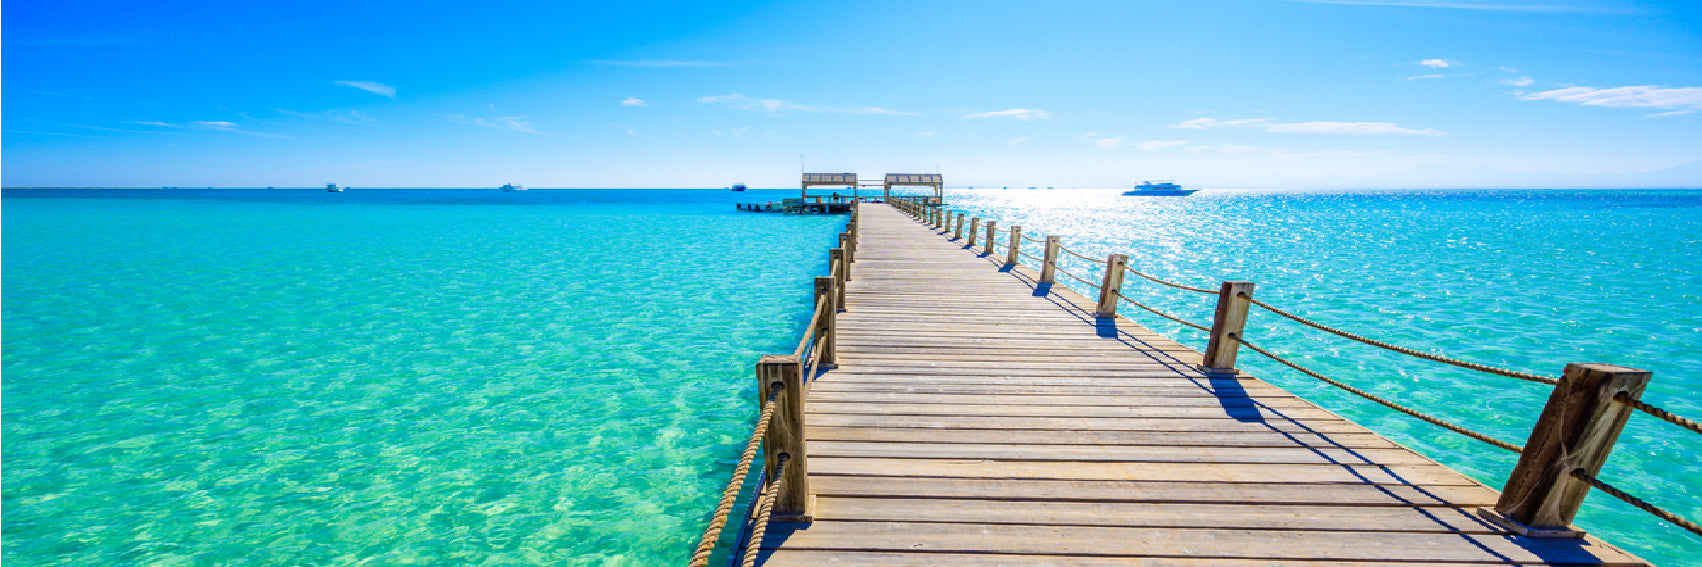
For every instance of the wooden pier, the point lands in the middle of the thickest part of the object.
(975, 416)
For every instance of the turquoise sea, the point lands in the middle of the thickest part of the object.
(263, 377)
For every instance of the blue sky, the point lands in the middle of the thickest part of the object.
(1244, 93)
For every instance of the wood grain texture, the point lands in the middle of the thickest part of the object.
(979, 416)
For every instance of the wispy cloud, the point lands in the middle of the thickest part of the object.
(1434, 63)
(658, 63)
(1110, 143)
(1420, 77)
(1015, 141)
(1508, 69)
(1491, 6)
(1270, 125)
(774, 105)
(209, 125)
(370, 86)
(1151, 145)
(632, 101)
(63, 95)
(513, 123)
(1647, 96)
(343, 116)
(1519, 82)
(1017, 113)
(1673, 113)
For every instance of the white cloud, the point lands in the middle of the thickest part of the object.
(1508, 69)
(1015, 141)
(370, 86)
(659, 63)
(1647, 96)
(1434, 63)
(1110, 143)
(214, 125)
(1151, 145)
(773, 105)
(1017, 113)
(925, 134)
(1236, 149)
(344, 116)
(514, 123)
(632, 101)
(1431, 76)
(1673, 113)
(1519, 82)
(1270, 125)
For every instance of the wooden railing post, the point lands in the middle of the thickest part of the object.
(1049, 267)
(992, 231)
(836, 257)
(786, 435)
(827, 329)
(974, 226)
(1112, 286)
(959, 233)
(1233, 300)
(1016, 241)
(1576, 430)
(849, 243)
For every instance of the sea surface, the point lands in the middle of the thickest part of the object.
(201, 377)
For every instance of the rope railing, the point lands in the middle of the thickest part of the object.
(730, 496)
(1030, 256)
(1404, 350)
(1032, 239)
(765, 507)
(1184, 322)
(1078, 255)
(1386, 403)
(1078, 278)
(1658, 413)
(810, 331)
(1170, 283)
(1615, 492)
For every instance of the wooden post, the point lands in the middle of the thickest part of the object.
(786, 435)
(836, 257)
(1016, 241)
(1233, 300)
(1049, 267)
(1112, 285)
(849, 243)
(827, 329)
(974, 225)
(959, 233)
(1577, 430)
(992, 230)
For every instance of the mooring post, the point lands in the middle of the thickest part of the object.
(1016, 240)
(959, 233)
(827, 339)
(1112, 286)
(1576, 431)
(992, 231)
(836, 258)
(974, 225)
(1233, 300)
(1049, 266)
(786, 435)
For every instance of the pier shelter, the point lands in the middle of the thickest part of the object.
(933, 180)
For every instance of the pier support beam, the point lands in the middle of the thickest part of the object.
(1011, 257)
(1112, 286)
(1049, 267)
(786, 435)
(1233, 300)
(1576, 431)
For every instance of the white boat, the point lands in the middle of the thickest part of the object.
(738, 187)
(1159, 189)
(512, 187)
(332, 187)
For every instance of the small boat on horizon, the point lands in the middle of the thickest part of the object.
(512, 187)
(738, 187)
(332, 187)
(1158, 189)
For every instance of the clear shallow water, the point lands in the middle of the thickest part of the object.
(384, 377)
(1529, 280)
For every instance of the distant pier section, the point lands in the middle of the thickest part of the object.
(835, 193)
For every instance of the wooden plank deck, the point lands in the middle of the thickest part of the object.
(980, 418)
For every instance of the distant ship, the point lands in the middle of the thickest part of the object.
(512, 187)
(739, 187)
(332, 187)
(1159, 189)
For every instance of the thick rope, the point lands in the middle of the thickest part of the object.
(1030, 256)
(1662, 414)
(1073, 276)
(1074, 253)
(759, 526)
(1163, 314)
(1404, 350)
(1638, 502)
(1386, 403)
(810, 331)
(1170, 283)
(1031, 239)
(705, 546)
